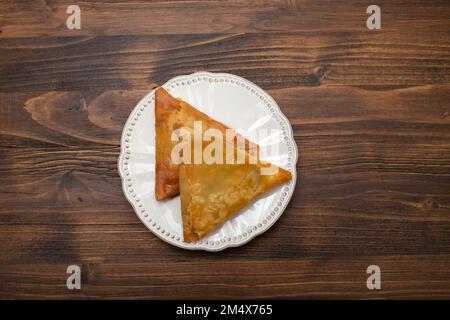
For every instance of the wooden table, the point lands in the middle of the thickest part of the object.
(370, 111)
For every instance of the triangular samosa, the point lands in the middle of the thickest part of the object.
(211, 194)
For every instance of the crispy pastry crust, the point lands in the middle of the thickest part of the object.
(211, 194)
(172, 114)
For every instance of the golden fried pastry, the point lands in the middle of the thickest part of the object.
(172, 114)
(211, 194)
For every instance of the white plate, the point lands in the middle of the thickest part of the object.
(239, 104)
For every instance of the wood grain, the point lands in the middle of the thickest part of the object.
(370, 112)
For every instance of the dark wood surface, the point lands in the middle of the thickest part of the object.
(370, 112)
